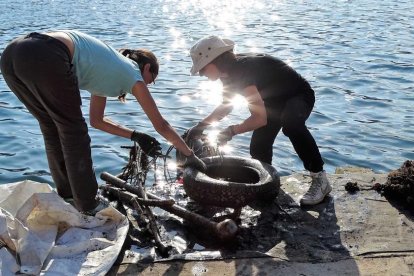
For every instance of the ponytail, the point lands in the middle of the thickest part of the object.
(125, 52)
(142, 57)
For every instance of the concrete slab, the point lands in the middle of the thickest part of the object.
(348, 234)
(398, 265)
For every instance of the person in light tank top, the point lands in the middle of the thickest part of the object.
(46, 72)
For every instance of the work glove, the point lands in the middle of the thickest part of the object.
(225, 135)
(194, 162)
(147, 143)
(195, 131)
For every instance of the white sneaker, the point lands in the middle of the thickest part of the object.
(319, 188)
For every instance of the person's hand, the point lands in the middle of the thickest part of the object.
(194, 162)
(147, 143)
(225, 135)
(195, 131)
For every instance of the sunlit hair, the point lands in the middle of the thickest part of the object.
(225, 61)
(141, 57)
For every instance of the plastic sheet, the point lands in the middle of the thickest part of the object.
(44, 235)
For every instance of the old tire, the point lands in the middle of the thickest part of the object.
(231, 181)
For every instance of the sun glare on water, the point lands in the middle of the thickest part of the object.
(210, 91)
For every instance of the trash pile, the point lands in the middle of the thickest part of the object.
(166, 224)
(400, 184)
(151, 209)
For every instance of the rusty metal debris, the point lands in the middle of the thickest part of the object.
(128, 188)
(225, 229)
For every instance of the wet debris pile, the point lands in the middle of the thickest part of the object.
(167, 224)
(128, 193)
(400, 184)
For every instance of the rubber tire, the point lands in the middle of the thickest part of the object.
(255, 181)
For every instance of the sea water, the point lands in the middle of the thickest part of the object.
(357, 55)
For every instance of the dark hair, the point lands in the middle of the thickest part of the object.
(225, 61)
(142, 57)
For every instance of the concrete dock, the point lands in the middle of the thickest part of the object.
(359, 233)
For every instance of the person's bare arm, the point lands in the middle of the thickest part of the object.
(144, 98)
(258, 116)
(99, 121)
(218, 113)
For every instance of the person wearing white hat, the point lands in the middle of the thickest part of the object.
(278, 98)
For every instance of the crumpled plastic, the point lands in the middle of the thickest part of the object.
(44, 235)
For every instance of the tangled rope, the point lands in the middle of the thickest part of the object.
(139, 164)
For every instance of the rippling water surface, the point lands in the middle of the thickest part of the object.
(357, 55)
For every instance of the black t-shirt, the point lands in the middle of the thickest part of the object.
(274, 79)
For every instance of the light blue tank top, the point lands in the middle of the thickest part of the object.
(101, 69)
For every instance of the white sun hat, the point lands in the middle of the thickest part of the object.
(206, 50)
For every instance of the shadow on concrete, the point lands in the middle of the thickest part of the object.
(290, 233)
(402, 206)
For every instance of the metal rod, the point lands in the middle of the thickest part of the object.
(224, 230)
(133, 201)
(124, 196)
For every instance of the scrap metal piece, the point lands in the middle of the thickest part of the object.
(224, 230)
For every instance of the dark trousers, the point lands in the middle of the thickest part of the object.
(37, 68)
(290, 116)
